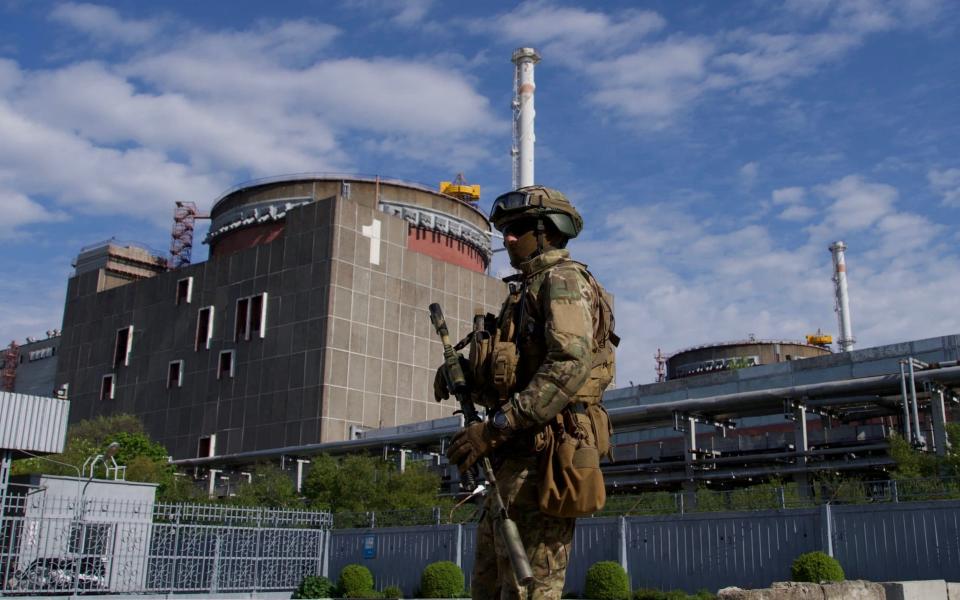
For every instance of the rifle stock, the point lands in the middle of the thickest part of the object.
(457, 385)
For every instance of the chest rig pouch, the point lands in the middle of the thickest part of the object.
(504, 355)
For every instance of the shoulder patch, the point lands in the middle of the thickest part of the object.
(564, 283)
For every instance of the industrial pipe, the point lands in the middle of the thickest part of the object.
(846, 341)
(524, 139)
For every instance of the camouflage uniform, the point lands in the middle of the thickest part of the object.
(556, 305)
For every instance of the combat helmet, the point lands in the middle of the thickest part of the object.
(538, 202)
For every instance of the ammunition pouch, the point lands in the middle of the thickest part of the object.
(570, 447)
(503, 363)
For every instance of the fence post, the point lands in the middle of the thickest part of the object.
(436, 515)
(894, 492)
(327, 537)
(679, 497)
(215, 575)
(826, 528)
(176, 549)
(622, 547)
(782, 497)
(458, 545)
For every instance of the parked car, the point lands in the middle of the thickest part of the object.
(58, 573)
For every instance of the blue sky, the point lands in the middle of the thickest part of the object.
(714, 148)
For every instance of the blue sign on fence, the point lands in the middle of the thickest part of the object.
(370, 546)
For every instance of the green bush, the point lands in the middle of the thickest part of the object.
(314, 586)
(370, 594)
(816, 567)
(606, 580)
(392, 592)
(355, 579)
(647, 594)
(442, 579)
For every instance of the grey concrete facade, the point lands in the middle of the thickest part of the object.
(37, 368)
(347, 341)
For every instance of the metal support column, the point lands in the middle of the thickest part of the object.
(6, 462)
(689, 485)
(917, 433)
(801, 443)
(939, 414)
(907, 434)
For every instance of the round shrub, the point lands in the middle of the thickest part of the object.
(392, 592)
(815, 567)
(355, 579)
(606, 580)
(442, 579)
(314, 586)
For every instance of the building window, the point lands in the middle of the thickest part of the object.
(207, 446)
(175, 374)
(251, 317)
(106, 387)
(204, 328)
(122, 347)
(185, 291)
(225, 368)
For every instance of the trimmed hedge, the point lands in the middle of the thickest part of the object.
(314, 586)
(392, 592)
(356, 581)
(815, 567)
(442, 579)
(606, 580)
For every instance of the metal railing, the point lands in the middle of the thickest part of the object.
(759, 497)
(76, 544)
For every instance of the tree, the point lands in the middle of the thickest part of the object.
(360, 483)
(268, 486)
(145, 459)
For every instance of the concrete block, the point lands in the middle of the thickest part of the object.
(953, 591)
(853, 590)
(933, 589)
(792, 590)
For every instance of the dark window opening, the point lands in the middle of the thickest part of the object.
(122, 347)
(226, 364)
(207, 446)
(184, 290)
(204, 328)
(241, 330)
(106, 387)
(175, 374)
(256, 315)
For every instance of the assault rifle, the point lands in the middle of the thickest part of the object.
(457, 385)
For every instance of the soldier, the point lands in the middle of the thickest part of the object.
(546, 360)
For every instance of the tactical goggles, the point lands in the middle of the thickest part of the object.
(509, 202)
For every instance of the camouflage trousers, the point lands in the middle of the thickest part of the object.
(546, 539)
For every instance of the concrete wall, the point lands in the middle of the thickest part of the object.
(348, 341)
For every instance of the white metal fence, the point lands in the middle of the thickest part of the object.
(56, 545)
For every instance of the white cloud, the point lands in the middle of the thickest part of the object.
(946, 183)
(103, 24)
(651, 81)
(565, 33)
(789, 195)
(18, 210)
(193, 112)
(748, 174)
(858, 204)
(728, 279)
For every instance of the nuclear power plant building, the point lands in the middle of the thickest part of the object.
(308, 323)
